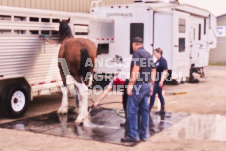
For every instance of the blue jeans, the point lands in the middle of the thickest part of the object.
(157, 90)
(138, 102)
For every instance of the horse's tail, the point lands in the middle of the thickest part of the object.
(84, 69)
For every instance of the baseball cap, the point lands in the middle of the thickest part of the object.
(137, 39)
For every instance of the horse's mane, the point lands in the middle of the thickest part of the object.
(64, 30)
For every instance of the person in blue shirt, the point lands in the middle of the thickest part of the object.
(162, 72)
(142, 73)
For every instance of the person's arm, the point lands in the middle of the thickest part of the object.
(153, 77)
(52, 41)
(163, 77)
(164, 73)
(43, 37)
(103, 95)
(133, 79)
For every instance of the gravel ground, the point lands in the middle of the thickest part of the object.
(205, 99)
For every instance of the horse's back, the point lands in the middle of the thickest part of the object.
(77, 51)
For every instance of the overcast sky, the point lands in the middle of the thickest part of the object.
(217, 7)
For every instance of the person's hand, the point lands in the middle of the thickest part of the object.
(160, 84)
(42, 36)
(151, 93)
(96, 104)
(129, 89)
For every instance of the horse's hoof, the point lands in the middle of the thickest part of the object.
(78, 122)
(62, 110)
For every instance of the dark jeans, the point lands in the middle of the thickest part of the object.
(157, 90)
(138, 102)
(125, 96)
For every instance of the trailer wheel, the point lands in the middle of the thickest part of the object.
(15, 101)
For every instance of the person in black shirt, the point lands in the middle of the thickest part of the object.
(162, 72)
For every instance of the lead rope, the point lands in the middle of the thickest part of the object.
(44, 42)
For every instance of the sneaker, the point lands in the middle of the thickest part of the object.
(143, 140)
(162, 111)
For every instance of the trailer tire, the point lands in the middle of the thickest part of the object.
(15, 100)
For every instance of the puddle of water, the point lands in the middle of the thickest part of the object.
(104, 125)
(200, 127)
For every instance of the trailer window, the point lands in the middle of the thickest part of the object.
(136, 30)
(205, 26)
(5, 17)
(19, 18)
(34, 32)
(45, 32)
(5, 32)
(55, 33)
(55, 20)
(182, 25)
(45, 20)
(200, 31)
(102, 48)
(34, 19)
(181, 44)
(19, 32)
(194, 34)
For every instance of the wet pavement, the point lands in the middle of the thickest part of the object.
(199, 127)
(104, 126)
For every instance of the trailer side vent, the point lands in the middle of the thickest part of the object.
(182, 25)
(5, 17)
(181, 44)
(34, 19)
(34, 32)
(19, 18)
(81, 33)
(19, 32)
(5, 32)
(45, 20)
(102, 49)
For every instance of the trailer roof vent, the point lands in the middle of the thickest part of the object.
(152, 1)
(174, 1)
(138, 1)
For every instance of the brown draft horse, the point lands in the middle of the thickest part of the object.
(76, 51)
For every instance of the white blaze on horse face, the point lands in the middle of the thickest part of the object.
(83, 95)
(64, 104)
(90, 80)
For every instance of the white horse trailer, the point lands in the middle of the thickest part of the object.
(27, 62)
(184, 32)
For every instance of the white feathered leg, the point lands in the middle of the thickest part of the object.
(90, 80)
(83, 93)
(64, 104)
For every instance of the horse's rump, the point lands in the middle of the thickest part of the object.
(80, 56)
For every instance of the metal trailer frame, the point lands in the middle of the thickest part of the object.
(30, 64)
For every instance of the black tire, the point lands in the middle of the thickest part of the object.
(17, 107)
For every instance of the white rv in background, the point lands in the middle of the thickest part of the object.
(184, 32)
(26, 60)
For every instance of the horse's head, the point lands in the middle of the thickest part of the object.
(64, 30)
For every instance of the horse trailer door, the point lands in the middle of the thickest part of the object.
(181, 48)
(199, 45)
(163, 36)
